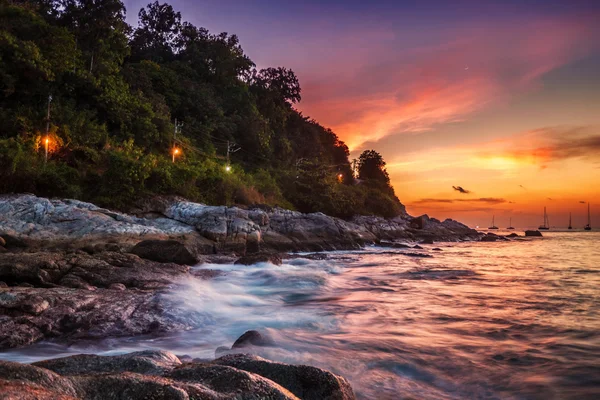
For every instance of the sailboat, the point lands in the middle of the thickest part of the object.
(546, 225)
(570, 224)
(588, 227)
(510, 225)
(493, 224)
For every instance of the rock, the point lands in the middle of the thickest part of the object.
(117, 286)
(164, 251)
(23, 381)
(252, 259)
(159, 374)
(308, 383)
(489, 238)
(32, 314)
(2, 241)
(436, 249)
(3, 284)
(427, 241)
(512, 235)
(84, 271)
(416, 246)
(150, 362)
(533, 233)
(231, 382)
(11, 242)
(253, 338)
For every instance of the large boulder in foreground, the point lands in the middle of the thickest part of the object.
(165, 251)
(306, 382)
(161, 375)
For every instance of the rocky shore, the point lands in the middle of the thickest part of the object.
(70, 270)
(162, 375)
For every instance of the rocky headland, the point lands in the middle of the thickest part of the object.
(70, 270)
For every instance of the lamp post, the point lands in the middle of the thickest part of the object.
(175, 153)
(47, 140)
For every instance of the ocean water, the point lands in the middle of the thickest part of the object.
(503, 320)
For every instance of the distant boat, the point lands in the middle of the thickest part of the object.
(570, 224)
(588, 227)
(546, 225)
(510, 224)
(493, 224)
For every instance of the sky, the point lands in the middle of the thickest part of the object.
(480, 108)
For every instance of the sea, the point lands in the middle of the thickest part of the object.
(470, 320)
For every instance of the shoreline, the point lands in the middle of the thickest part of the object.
(72, 271)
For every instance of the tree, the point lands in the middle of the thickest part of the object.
(279, 81)
(156, 35)
(371, 167)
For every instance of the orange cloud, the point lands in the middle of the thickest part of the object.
(410, 90)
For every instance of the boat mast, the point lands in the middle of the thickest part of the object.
(589, 216)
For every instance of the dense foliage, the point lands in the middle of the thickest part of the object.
(114, 94)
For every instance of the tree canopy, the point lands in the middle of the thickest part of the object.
(114, 93)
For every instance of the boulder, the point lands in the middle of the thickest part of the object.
(253, 338)
(533, 233)
(231, 382)
(308, 383)
(512, 235)
(23, 381)
(149, 362)
(489, 238)
(252, 259)
(164, 251)
(32, 314)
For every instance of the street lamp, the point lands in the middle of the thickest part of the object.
(46, 143)
(228, 168)
(175, 153)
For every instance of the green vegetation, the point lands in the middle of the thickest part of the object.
(116, 94)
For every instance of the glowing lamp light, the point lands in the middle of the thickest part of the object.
(175, 153)
(228, 168)
(47, 140)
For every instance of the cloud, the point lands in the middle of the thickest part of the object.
(488, 200)
(543, 146)
(394, 85)
(461, 189)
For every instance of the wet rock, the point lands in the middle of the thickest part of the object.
(32, 314)
(308, 383)
(416, 246)
(231, 382)
(2, 241)
(427, 241)
(436, 249)
(117, 286)
(252, 259)
(161, 375)
(23, 381)
(489, 238)
(3, 284)
(253, 338)
(533, 233)
(512, 235)
(81, 270)
(164, 251)
(150, 362)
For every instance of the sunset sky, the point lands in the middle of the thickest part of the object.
(501, 99)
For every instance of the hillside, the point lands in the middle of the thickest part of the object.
(94, 109)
